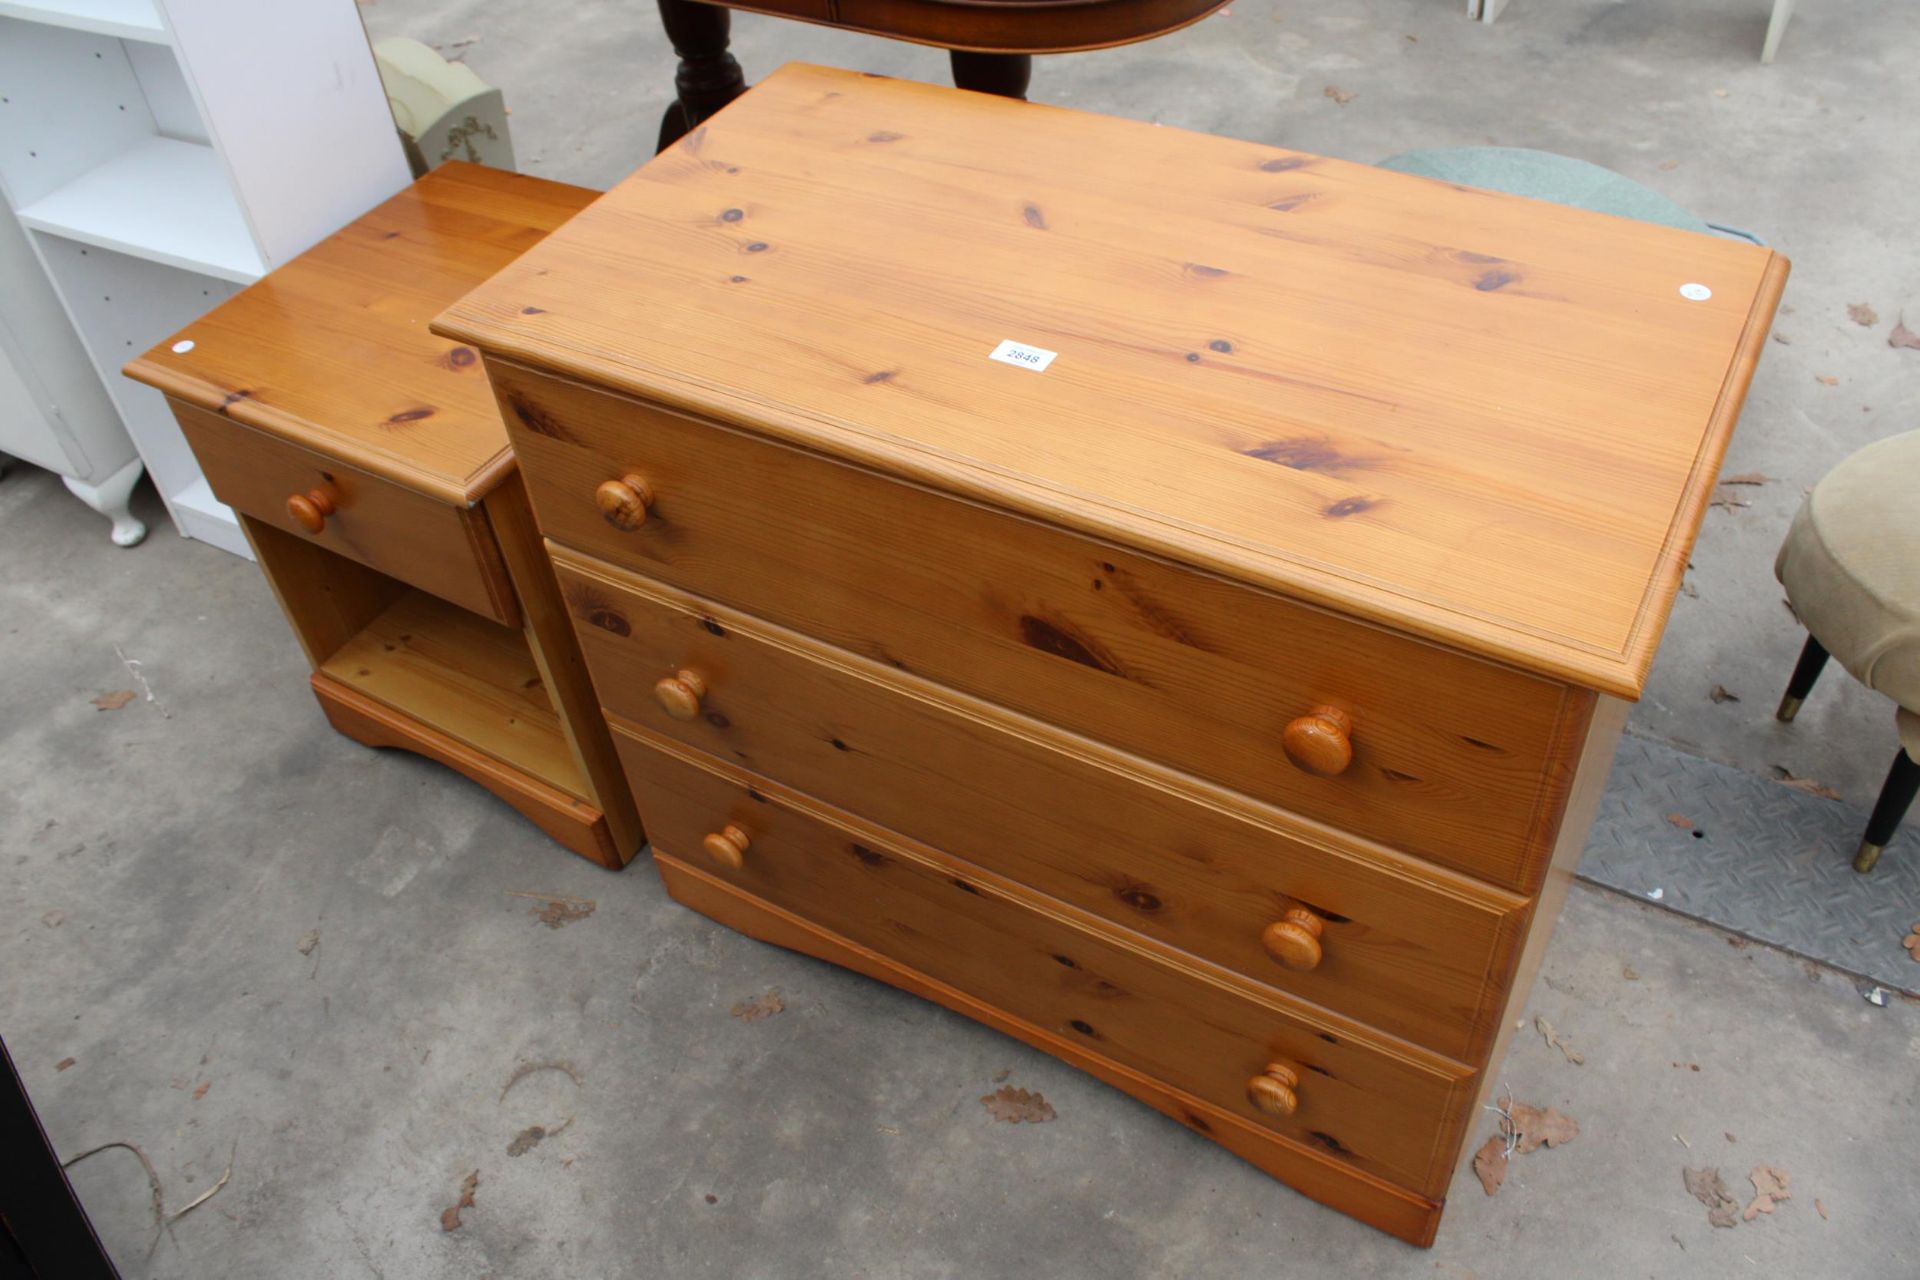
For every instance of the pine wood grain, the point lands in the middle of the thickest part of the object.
(447, 550)
(1308, 1169)
(1454, 757)
(1382, 1106)
(332, 351)
(469, 678)
(1477, 418)
(1405, 947)
(571, 821)
(550, 642)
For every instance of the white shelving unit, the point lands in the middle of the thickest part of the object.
(163, 153)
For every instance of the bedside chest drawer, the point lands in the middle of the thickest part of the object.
(1378, 1105)
(1371, 933)
(1458, 760)
(445, 550)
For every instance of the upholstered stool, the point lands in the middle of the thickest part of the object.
(1851, 567)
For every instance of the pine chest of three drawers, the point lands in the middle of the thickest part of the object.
(1213, 692)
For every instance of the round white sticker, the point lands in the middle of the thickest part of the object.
(183, 346)
(1695, 292)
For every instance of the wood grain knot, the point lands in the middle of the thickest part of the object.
(610, 620)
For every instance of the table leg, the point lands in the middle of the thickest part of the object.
(1006, 74)
(708, 77)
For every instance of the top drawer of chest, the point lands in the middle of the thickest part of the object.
(1458, 760)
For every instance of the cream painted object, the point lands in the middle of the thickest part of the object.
(160, 154)
(444, 110)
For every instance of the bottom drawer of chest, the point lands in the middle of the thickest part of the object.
(1384, 1107)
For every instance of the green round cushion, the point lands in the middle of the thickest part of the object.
(1543, 175)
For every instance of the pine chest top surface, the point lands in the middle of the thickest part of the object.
(1486, 420)
(332, 350)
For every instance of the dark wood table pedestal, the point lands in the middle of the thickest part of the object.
(990, 47)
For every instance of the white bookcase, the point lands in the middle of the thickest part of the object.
(163, 153)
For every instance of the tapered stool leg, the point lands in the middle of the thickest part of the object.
(1813, 658)
(1896, 796)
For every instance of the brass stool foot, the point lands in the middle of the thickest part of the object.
(1869, 854)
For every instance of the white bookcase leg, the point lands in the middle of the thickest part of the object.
(110, 498)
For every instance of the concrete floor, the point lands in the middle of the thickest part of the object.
(161, 865)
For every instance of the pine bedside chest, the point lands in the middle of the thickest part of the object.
(1171, 599)
(371, 474)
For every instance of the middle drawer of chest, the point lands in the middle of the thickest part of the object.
(1459, 760)
(1404, 946)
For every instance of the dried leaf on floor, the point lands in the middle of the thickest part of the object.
(759, 1007)
(115, 700)
(1826, 380)
(1820, 1207)
(1341, 97)
(1628, 972)
(63, 1064)
(1490, 1163)
(1770, 1186)
(308, 941)
(1681, 821)
(1903, 336)
(1812, 787)
(1748, 477)
(1531, 1127)
(210, 1192)
(1706, 1186)
(201, 1092)
(53, 919)
(1720, 693)
(558, 913)
(1557, 1041)
(1912, 942)
(1863, 315)
(1002, 1074)
(1784, 339)
(1017, 1106)
(533, 1135)
(450, 1219)
(1726, 502)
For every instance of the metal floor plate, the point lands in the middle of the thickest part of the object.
(1763, 860)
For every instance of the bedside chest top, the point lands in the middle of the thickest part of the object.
(1485, 420)
(332, 350)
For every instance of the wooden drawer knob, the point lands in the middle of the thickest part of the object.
(624, 502)
(1319, 741)
(310, 510)
(1273, 1090)
(1294, 939)
(679, 694)
(727, 846)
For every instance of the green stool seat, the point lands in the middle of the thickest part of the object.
(1543, 175)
